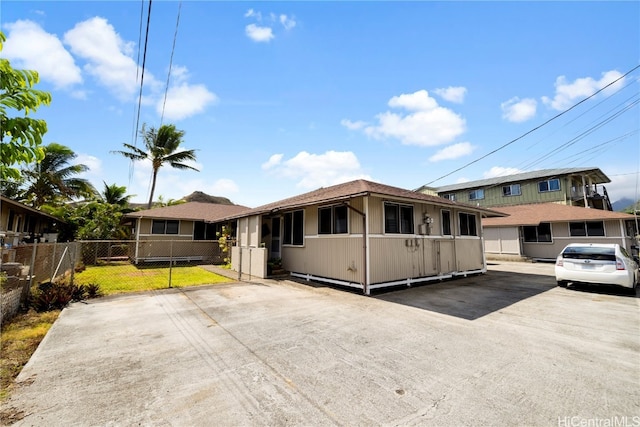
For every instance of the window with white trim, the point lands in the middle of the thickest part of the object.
(511, 190)
(476, 194)
(293, 228)
(586, 228)
(540, 233)
(467, 224)
(165, 226)
(549, 185)
(398, 219)
(450, 196)
(333, 220)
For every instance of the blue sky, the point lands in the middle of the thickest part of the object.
(280, 98)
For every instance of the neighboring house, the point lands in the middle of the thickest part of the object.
(181, 232)
(20, 223)
(541, 231)
(362, 234)
(568, 186)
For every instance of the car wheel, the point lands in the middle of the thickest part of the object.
(562, 283)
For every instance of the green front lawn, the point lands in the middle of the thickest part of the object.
(121, 278)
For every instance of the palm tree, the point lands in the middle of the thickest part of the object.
(161, 145)
(52, 180)
(115, 195)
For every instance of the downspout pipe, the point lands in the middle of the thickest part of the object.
(365, 285)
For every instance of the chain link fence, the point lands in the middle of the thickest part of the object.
(25, 266)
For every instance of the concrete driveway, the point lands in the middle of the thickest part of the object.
(505, 348)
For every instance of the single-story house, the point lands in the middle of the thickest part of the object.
(364, 235)
(542, 230)
(183, 232)
(20, 223)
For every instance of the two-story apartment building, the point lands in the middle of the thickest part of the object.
(568, 186)
(546, 209)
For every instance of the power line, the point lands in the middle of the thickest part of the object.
(144, 61)
(583, 134)
(134, 124)
(536, 128)
(173, 48)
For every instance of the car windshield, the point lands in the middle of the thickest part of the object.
(588, 252)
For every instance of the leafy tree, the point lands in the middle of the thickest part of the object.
(52, 181)
(93, 220)
(20, 136)
(161, 147)
(161, 202)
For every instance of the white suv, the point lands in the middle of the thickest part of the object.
(597, 263)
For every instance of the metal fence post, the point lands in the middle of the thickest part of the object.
(73, 254)
(170, 260)
(32, 272)
(53, 260)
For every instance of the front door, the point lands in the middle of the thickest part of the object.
(275, 238)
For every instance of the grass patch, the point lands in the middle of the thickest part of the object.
(19, 338)
(122, 278)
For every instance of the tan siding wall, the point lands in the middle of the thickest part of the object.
(469, 254)
(561, 238)
(254, 231)
(243, 232)
(612, 229)
(502, 240)
(376, 220)
(327, 257)
(391, 259)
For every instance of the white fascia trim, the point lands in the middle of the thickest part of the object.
(406, 282)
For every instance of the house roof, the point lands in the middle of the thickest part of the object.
(596, 175)
(357, 188)
(28, 208)
(194, 211)
(536, 213)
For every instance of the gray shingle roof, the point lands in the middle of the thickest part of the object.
(354, 189)
(536, 213)
(195, 211)
(598, 176)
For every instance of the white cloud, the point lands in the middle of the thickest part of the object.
(272, 162)
(518, 110)
(253, 14)
(497, 171)
(259, 34)
(185, 100)
(80, 94)
(428, 124)
(568, 93)
(318, 170)
(30, 47)
(452, 94)
(223, 187)
(93, 163)
(353, 125)
(417, 101)
(621, 186)
(453, 152)
(287, 22)
(108, 56)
